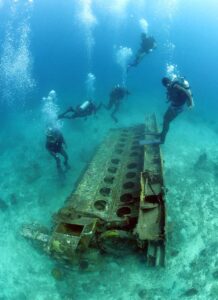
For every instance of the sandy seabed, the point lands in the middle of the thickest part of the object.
(32, 191)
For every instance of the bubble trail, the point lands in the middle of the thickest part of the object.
(16, 79)
(123, 56)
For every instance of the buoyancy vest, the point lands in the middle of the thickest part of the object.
(176, 96)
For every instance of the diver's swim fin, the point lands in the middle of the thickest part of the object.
(149, 142)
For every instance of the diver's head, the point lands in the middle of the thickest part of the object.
(51, 135)
(166, 81)
(52, 94)
(51, 132)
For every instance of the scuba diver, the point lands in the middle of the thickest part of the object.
(116, 95)
(148, 44)
(54, 144)
(84, 110)
(178, 94)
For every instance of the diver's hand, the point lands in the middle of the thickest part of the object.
(190, 107)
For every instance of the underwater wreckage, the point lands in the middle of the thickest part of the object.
(117, 206)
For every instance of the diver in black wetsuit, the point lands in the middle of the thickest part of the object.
(178, 94)
(148, 44)
(54, 144)
(84, 110)
(116, 95)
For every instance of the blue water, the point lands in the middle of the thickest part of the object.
(45, 45)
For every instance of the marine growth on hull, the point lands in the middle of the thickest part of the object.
(117, 207)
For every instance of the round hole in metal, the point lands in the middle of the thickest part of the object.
(135, 147)
(138, 133)
(105, 191)
(100, 204)
(123, 211)
(134, 153)
(139, 137)
(120, 145)
(129, 185)
(123, 139)
(109, 179)
(139, 128)
(132, 166)
(83, 265)
(112, 170)
(115, 161)
(130, 175)
(119, 151)
(126, 198)
(135, 143)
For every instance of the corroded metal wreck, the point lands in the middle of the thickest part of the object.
(118, 205)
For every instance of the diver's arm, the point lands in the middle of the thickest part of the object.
(62, 140)
(139, 56)
(127, 92)
(190, 101)
(64, 143)
(47, 145)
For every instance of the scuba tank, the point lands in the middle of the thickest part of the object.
(186, 84)
(182, 82)
(84, 105)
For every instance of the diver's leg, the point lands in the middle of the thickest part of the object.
(109, 105)
(135, 62)
(140, 57)
(98, 107)
(74, 116)
(66, 117)
(137, 59)
(116, 107)
(131, 65)
(169, 116)
(64, 114)
(58, 161)
(64, 154)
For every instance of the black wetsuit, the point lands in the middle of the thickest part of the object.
(176, 96)
(147, 45)
(177, 99)
(91, 109)
(80, 112)
(116, 95)
(54, 144)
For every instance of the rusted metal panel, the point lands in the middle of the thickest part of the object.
(112, 176)
(119, 198)
(151, 219)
